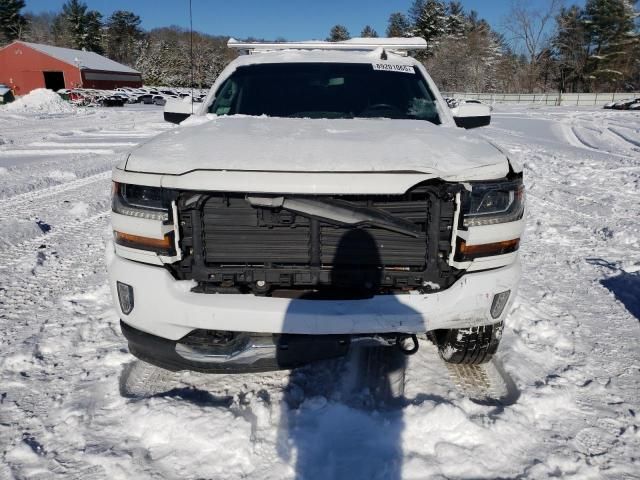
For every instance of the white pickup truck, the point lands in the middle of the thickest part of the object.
(321, 195)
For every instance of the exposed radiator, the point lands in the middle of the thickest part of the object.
(228, 243)
(235, 233)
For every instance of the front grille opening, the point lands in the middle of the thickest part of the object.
(232, 246)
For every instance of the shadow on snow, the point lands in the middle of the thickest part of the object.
(625, 286)
(341, 422)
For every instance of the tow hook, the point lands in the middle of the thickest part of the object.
(402, 341)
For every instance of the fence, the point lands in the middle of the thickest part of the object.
(580, 99)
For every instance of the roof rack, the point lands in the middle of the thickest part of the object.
(354, 44)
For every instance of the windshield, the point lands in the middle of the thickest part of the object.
(326, 90)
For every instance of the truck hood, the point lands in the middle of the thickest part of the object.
(267, 144)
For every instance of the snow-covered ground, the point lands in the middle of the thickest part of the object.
(570, 345)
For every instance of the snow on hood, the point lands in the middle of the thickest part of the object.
(311, 145)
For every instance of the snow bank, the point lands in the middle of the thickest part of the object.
(40, 100)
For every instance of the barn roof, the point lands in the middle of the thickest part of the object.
(88, 60)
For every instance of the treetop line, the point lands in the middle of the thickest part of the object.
(593, 48)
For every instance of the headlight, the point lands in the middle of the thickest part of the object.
(491, 203)
(140, 201)
(145, 203)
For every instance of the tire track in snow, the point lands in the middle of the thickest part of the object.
(582, 141)
(576, 320)
(51, 207)
(36, 273)
(572, 137)
(591, 359)
(10, 205)
(27, 303)
(50, 212)
(625, 137)
(78, 144)
(617, 139)
(47, 268)
(31, 152)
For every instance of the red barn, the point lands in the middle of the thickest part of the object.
(26, 66)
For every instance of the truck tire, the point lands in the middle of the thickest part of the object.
(468, 346)
(384, 372)
(142, 380)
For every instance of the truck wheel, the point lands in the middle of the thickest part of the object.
(384, 372)
(468, 346)
(142, 380)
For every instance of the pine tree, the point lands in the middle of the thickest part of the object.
(61, 36)
(12, 22)
(613, 39)
(472, 20)
(477, 59)
(571, 48)
(455, 23)
(368, 32)
(429, 22)
(415, 11)
(78, 27)
(338, 33)
(398, 26)
(73, 22)
(94, 39)
(123, 35)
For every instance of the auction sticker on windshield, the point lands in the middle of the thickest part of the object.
(390, 67)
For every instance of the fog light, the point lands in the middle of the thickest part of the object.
(125, 296)
(499, 302)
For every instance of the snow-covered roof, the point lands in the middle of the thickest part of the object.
(87, 60)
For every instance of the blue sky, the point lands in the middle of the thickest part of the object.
(291, 19)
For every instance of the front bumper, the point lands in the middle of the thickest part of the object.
(167, 308)
(259, 354)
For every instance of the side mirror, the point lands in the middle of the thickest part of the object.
(178, 109)
(472, 115)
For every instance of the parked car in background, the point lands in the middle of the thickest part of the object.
(160, 100)
(6, 95)
(113, 101)
(632, 103)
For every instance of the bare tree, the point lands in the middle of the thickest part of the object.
(528, 26)
(41, 27)
(529, 29)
